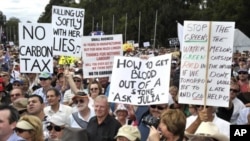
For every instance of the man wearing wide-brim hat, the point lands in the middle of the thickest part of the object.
(81, 118)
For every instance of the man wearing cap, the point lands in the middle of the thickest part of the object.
(75, 83)
(45, 82)
(55, 127)
(243, 80)
(81, 118)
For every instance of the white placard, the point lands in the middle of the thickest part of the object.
(140, 82)
(35, 45)
(146, 44)
(67, 26)
(98, 54)
(206, 57)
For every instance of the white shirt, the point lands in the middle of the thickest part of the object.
(238, 105)
(74, 124)
(64, 112)
(242, 119)
(223, 125)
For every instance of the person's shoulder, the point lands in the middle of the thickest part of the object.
(66, 106)
(219, 121)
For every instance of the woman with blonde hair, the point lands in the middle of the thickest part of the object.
(30, 128)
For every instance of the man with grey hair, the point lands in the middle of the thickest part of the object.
(102, 126)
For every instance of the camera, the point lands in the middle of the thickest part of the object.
(151, 121)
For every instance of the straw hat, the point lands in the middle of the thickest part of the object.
(208, 129)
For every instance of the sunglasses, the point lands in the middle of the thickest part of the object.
(56, 128)
(77, 80)
(18, 130)
(79, 101)
(16, 95)
(43, 79)
(242, 73)
(199, 106)
(3, 75)
(93, 89)
(234, 90)
(158, 107)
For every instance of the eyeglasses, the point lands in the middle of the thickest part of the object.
(242, 73)
(56, 128)
(93, 89)
(77, 80)
(16, 95)
(234, 90)
(18, 130)
(158, 107)
(79, 101)
(3, 75)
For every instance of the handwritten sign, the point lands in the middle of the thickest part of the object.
(35, 45)
(206, 63)
(98, 54)
(67, 30)
(140, 82)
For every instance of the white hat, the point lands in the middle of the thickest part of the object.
(208, 129)
(130, 132)
(120, 107)
(57, 120)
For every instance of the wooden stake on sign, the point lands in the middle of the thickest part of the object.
(207, 64)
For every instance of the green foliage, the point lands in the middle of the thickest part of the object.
(101, 13)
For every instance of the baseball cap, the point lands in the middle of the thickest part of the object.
(20, 104)
(45, 75)
(130, 132)
(57, 120)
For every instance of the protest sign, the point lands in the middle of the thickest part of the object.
(98, 54)
(206, 63)
(35, 45)
(140, 82)
(66, 60)
(67, 26)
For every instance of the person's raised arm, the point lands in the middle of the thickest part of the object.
(69, 78)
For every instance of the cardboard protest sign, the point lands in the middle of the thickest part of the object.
(140, 82)
(35, 45)
(206, 63)
(67, 26)
(98, 54)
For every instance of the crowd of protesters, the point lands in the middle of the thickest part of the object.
(64, 105)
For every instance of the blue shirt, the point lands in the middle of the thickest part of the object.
(15, 137)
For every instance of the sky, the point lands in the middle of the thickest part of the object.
(25, 10)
